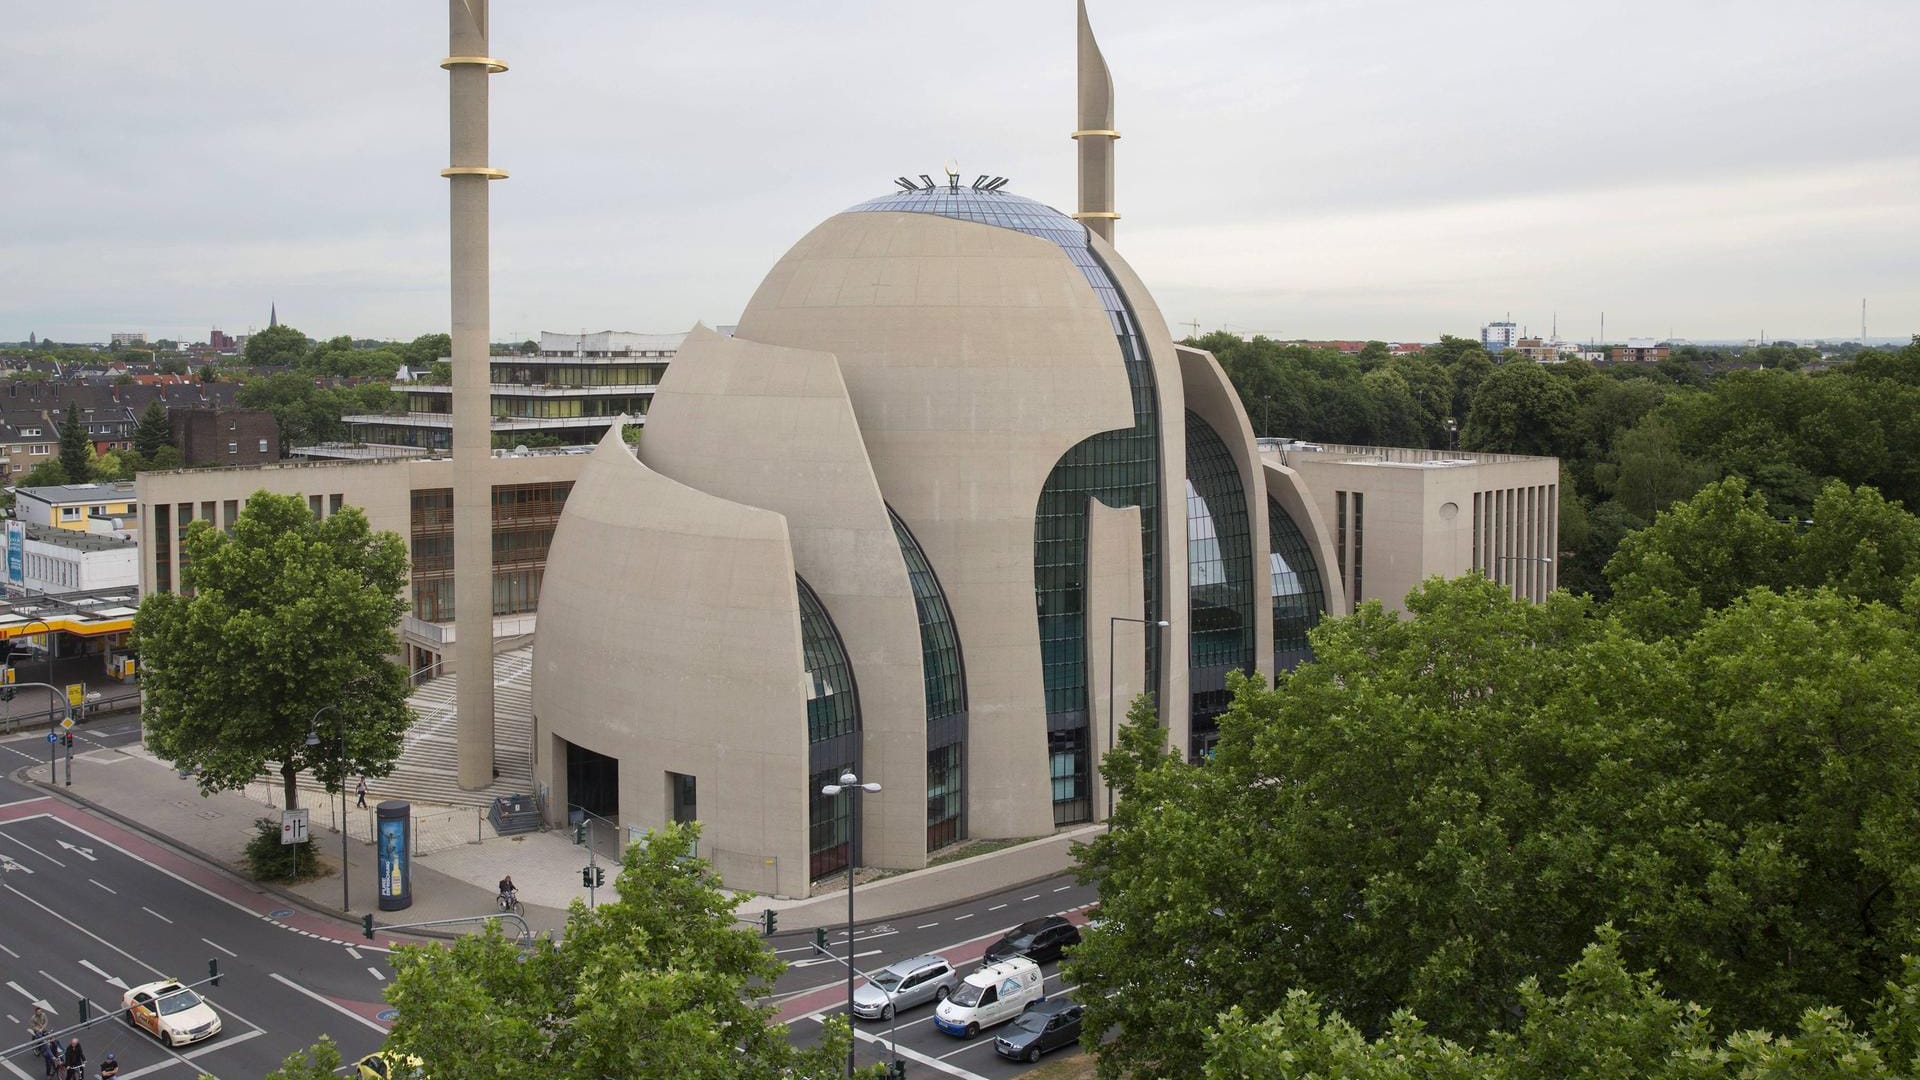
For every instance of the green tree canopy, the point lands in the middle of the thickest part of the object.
(654, 985)
(426, 350)
(276, 620)
(76, 447)
(276, 346)
(1436, 809)
(1521, 408)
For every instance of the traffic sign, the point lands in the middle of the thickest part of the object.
(76, 693)
(53, 736)
(67, 724)
(293, 826)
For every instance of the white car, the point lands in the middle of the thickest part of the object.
(171, 1012)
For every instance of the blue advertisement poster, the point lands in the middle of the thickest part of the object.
(394, 860)
(17, 552)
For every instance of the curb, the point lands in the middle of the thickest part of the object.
(916, 912)
(293, 898)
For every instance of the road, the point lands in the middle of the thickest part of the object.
(813, 989)
(91, 906)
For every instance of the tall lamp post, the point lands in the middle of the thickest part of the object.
(313, 739)
(53, 750)
(1113, 623)
(851, 784)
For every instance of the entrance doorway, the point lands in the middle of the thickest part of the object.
(593, 782)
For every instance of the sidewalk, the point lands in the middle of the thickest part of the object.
(144, 793)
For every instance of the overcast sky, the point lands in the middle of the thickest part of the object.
(1392, 169)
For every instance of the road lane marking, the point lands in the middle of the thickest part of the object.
(926, 926)
(85, 853)
(968, 915)
(375, 972)
(223, 1044)
(61, 985)
(112, 980)
(156, 915)
(996, 907)
(110, 889)
(1063, 888)
(9, 952)
(914, 1055)
(28, 994)
(23, 802)
(328, 1002)
(831, 959)
(1035, 896)
(136, 961)
(222, 948)
(30, 847)
(355, 953)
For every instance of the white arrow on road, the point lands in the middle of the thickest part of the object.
(28, 994)
(112, 980)
(85, 853)
(9, 866)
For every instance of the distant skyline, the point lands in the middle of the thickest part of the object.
(1317, 169)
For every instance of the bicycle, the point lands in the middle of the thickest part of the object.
(508, 902)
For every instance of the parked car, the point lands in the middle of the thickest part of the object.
(1047, 1025)
(992, 995)
(1039, 940)
(170, 1012)
(386, 1065)
(904, 984)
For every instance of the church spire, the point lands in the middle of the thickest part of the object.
(1095, 134)
(273, 315)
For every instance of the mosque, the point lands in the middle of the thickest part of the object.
(947, 499)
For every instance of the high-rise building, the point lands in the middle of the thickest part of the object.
(1496, 337)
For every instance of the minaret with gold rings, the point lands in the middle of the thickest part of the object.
(1095, 135)
(469, 67)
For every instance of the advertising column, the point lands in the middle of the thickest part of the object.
(16, 556)
(393, 838)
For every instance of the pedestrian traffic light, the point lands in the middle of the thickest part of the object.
(366, 925)
(770, 920)
(820, 938)
(213, 971)
(579, 832)
(69, 740)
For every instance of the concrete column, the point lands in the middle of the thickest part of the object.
(470, 66)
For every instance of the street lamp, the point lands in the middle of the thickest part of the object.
(851, 784)
(313, 739)
(1453, 434)
(1113, 622)
(1513, 583)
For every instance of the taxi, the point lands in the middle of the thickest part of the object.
(170, 1012)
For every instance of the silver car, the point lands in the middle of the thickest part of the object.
(904, 984)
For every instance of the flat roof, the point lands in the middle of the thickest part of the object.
(113, 491)
(72, 538)
(1403, 457)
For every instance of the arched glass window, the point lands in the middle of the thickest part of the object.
(1299, 598)
(833, 734)
(1219, 578)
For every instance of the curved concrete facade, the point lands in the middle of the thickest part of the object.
(654, 592)
(1285, 487)
(772, 427)
(975, 356)
(1210, 396)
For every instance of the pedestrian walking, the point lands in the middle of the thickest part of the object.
(50, 1053)
(360, 790)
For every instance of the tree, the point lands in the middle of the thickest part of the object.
(281, 617)
(422, 352)
(1521, 408)
(76, 448)
(1699, 556)
(303, 411)
(657, 983)
(153, 430)
(1860, 544)
(276, 346)
(1432, 811)
(318, 1062)
(48, 473)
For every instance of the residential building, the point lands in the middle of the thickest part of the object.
(1639, 351)
(129, 337)
(571, 390)
(220, 340)
(26, 440)
(1400, 516)
(1497, 337)
(216, 436)
(1541, 350)
(109, 507)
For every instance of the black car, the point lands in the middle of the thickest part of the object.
(1039, 940)
(1046, 1025)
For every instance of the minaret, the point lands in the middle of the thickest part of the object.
(1095, 135)
(471, 67)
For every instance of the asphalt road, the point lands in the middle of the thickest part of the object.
(814, 988)
(90, 906)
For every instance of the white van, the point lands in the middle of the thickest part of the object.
(990, 996)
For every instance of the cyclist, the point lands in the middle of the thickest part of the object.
(75, 1061)
(509, 897)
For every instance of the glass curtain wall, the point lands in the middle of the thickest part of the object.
(944, 676)
(1220, 576)
(833, 733)
(1299, 594)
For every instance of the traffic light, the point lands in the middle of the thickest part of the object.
(69, 740)
(580, 832)
(6, 693)
(820, 938)
(586, 877)
(599, 876)
(85, 1005)
(366, 925)
(213, 971)
(770, 920)
(896, 1070)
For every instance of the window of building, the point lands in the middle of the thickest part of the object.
(263, 446)
(829, 824)
(162, 533)
(944, 680)
(233, 448)
(1070, 770)
(1220, 577)
(37, 448)
(1299, 597)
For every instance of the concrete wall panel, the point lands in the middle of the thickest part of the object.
(1212, 398)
